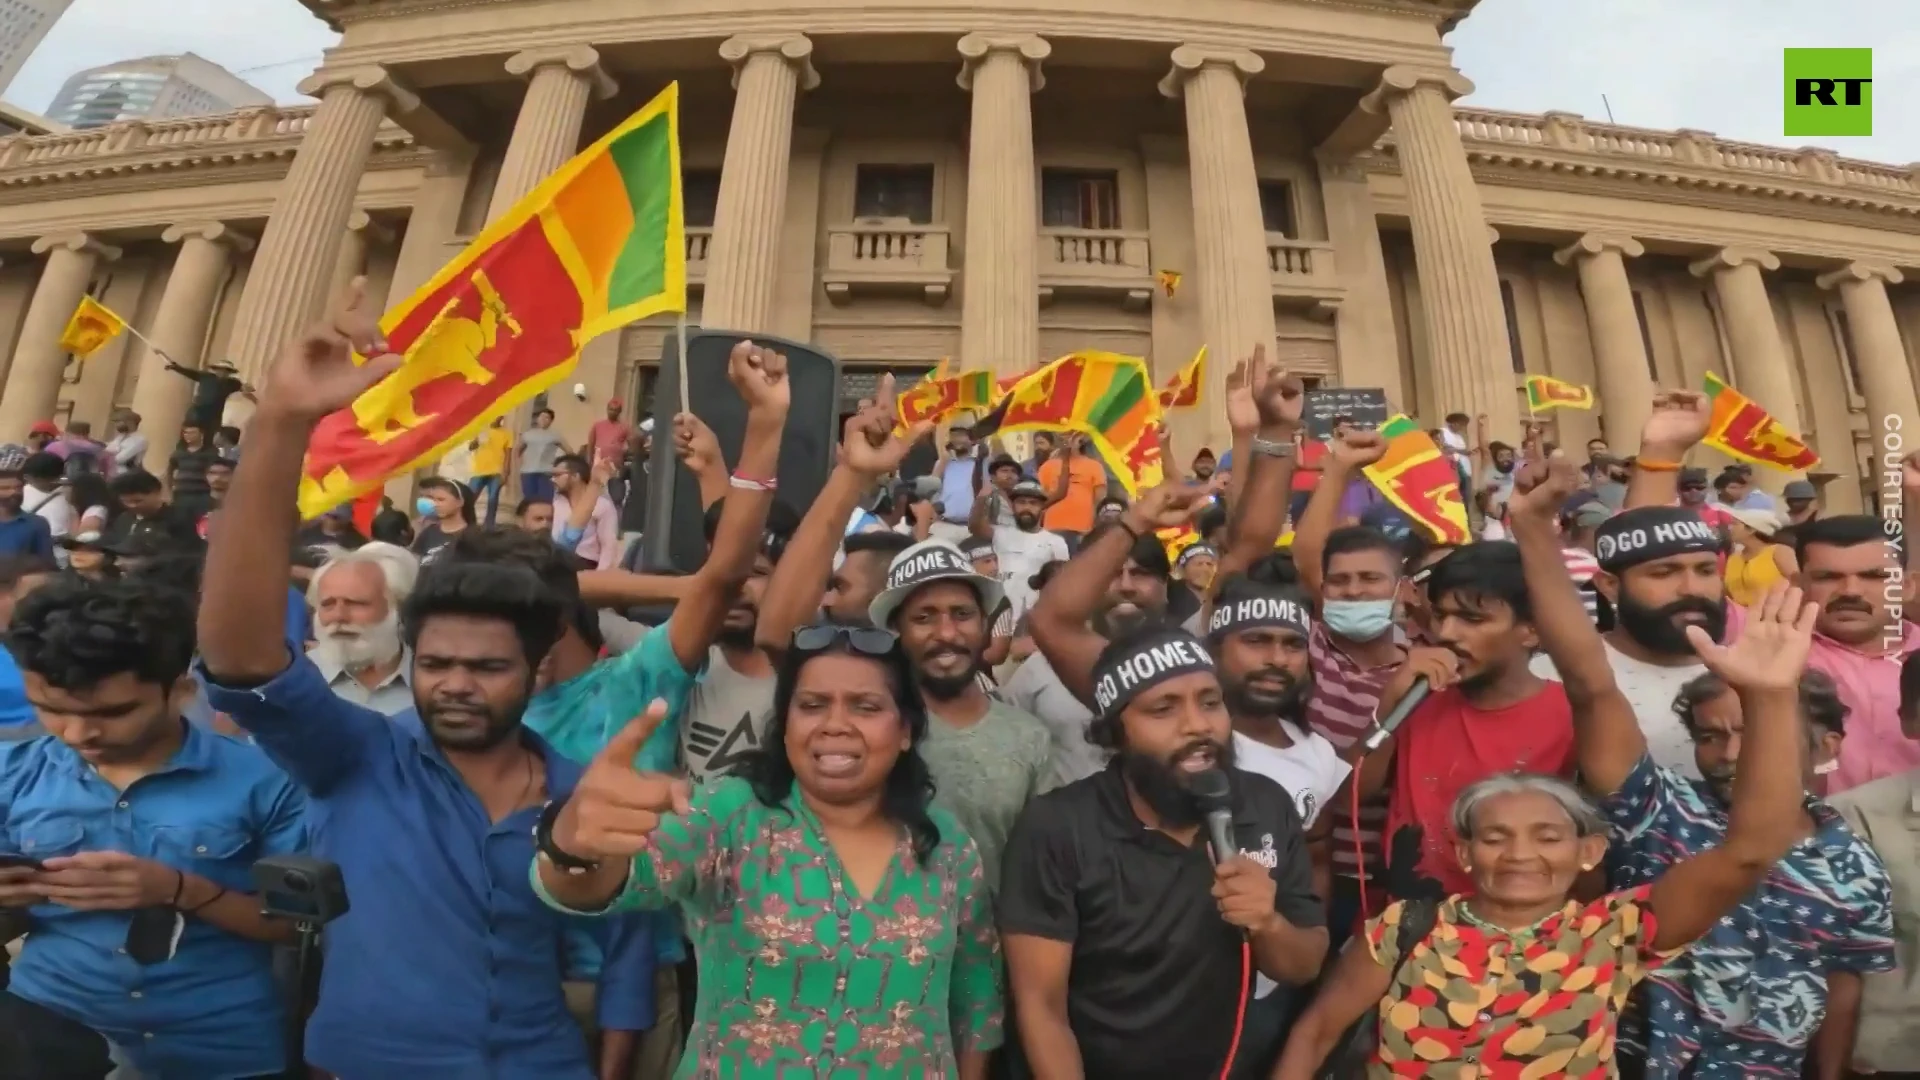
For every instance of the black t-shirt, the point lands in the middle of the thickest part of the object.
(429, 540)
(1156, 970)
(172, 526)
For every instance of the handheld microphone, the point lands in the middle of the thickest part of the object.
(1390, 723)
(1214, 795)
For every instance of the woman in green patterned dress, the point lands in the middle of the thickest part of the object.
(841, 923)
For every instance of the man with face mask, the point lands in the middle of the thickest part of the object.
(1125, 942)
(143, 932)
(1660, 573)
(1748, 998)
(988, 758)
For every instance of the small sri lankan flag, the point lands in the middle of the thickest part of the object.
(1183, 390)
(1169, 282)
(597, 245)
(1742, 429)
(92, 326)
(1544, 392)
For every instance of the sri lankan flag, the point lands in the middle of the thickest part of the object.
(1742, 429)
(1183, 390)
(931, 399)
(976, 389)
(1545, 393)
(1105, 396)
(599, 244)
(1416, 478)
(92, 326)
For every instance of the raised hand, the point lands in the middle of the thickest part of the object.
(870, 445)
(695, 444)
(1677, 423)
(1771, 652)
(317, 373)
(1167, 506)
(603, 469)
(1243, 415)
(1278, 397)
(1542, 488)
(616, 807)
(760, 375)
(1358, 449)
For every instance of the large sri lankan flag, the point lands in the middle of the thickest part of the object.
(1416, 478)
(1741, 428)
(599, 244)
(1106, 396)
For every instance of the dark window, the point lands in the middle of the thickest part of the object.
(1843, 339)
(1512, 309)
(1276, 207)
(1079, 199)
(700, 191)
(894, 191)
(1646, 334)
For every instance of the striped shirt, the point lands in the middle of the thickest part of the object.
(1345, 696)
(1581, 566)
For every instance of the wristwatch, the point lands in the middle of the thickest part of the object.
(545, 847)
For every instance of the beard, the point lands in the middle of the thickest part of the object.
(1027, 522)
(1244, 699)
(1654, 629)
(943, 686)
(451, 723)
(1113, 622)
(357, 648)
(1164, 787)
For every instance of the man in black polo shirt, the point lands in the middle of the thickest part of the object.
(1123, 940)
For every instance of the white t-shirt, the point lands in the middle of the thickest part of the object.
(1650, 689)
(1021, 555)
(1035, 689)
(53, 507)
(1311, 770)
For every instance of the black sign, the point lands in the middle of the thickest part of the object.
(1366, 406)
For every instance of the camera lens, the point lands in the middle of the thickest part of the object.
(299, 881)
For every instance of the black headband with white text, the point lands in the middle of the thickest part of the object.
(1125, 674)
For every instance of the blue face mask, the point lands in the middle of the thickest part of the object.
(1357, 620)
(423, 506)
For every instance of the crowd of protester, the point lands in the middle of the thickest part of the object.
(969, 776)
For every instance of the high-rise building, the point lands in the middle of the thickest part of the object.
(23, 23)
(148, 88)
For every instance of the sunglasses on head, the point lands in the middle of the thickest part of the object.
(865, 640)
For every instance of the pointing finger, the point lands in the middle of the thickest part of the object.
(682, 797)
(625, 746)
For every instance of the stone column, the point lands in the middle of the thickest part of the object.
(1460, 290)
(1232, 278)
(1879, 357)
(1619, 352)
(561, 82)
(299, 251)
(179, 330)
(1000, 286)
(33, 381)
(355, 248)
(1761, 367)
(769, 71)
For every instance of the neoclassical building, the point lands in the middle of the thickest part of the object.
(899, 182)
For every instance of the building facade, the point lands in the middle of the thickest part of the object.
(151, 88)
(23, 25)
(999, 185)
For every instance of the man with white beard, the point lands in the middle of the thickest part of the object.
(356, 598)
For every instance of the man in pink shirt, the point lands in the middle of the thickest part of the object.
(610, 437)
(1853, 573)
(599, 545)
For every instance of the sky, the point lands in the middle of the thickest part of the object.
(1712, 65)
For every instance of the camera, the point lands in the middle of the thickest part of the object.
(300, 888)
(580, 391)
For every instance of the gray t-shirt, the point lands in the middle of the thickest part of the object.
(1036, 689)
(539, 448)
(725, 718)
(984, 774)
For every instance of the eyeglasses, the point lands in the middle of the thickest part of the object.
(866, 640)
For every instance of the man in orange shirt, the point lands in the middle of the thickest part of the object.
(1075, 484)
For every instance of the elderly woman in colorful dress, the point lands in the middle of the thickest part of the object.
(1519, 980)
(841, 922)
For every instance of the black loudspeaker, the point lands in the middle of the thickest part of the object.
(672, 537)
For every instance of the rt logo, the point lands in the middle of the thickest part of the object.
(1829, 92)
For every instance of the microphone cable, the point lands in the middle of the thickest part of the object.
(1240, 1014)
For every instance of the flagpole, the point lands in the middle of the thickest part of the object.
(148, 342)
(680, 336)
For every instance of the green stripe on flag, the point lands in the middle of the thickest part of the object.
(1121, 396)
(644, 157)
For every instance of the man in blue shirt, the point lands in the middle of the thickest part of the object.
(447, 965)
(21, 533)
(136, 834)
